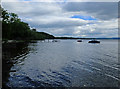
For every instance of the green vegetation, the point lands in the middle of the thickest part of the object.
(15, 29)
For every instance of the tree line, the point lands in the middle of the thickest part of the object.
(15, 29)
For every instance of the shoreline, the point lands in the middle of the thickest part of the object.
(34, 41)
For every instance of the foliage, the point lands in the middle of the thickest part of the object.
(15, 29)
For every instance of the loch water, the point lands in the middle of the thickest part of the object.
(66, 63)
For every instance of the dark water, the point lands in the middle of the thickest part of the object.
(66, 63)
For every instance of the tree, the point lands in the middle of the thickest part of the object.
(15, 29)
(34, 30)
(14, 18)
(5, 16)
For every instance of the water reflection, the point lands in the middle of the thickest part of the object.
(65, 63)
(12, 53)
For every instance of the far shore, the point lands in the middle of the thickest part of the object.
(62, 38)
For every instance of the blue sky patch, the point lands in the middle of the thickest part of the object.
(27, 0)
(83, 17)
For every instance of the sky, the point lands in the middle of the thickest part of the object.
(67, 18)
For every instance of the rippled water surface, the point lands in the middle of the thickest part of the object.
(64, 63)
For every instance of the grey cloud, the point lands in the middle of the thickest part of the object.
(32, 9)
(54, 19)
(61, 24)
(101, 10)
(58, 22)
(100, 32)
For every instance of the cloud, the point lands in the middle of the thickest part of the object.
(100, 10)
(26, 9)
(69, 18)
(99, 29)
(58, 22)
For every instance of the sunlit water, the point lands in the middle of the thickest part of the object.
(66, 63)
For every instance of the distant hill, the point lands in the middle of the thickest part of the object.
(83, 38)
(44, 35)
